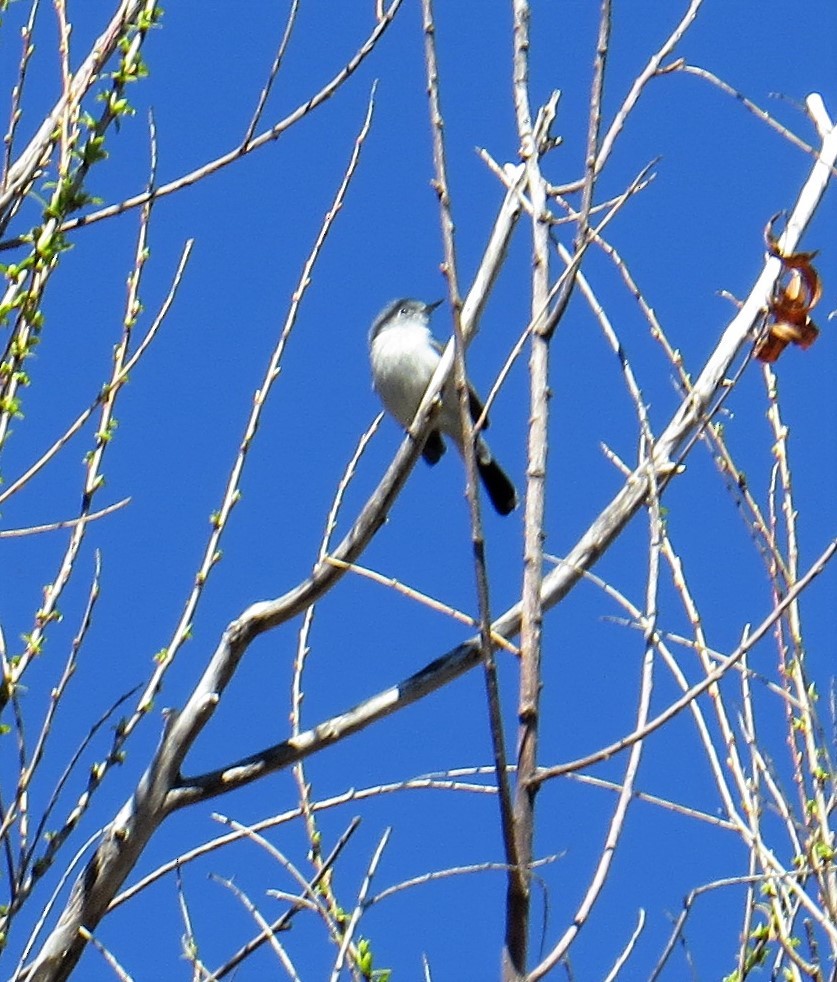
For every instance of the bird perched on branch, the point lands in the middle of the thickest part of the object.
(404, 356)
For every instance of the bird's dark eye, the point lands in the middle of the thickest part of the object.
(404, 310)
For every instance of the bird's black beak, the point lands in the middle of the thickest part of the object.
(430, 307)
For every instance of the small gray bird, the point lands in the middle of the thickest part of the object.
(404, 356)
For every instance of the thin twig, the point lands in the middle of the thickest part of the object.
(423, 598)
(444, 874)
(359, 906)
(749, 105)
(258, 917)
(187, 940)
(274, 71)
(300, 661)
(617, 824)
(651, 70)
(15, 112)
(627, 951)
(65, 524)
(492, 688)
(109, 957)
(26, 775)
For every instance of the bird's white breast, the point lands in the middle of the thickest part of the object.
(403, 361)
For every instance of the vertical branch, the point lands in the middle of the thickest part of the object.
(94, 478)
(28, 771)
(584, 234)
(15, 111)
(306, 807)
(594, 123)
(810, 761)
(518, 896)
(274, 71)
(492, 688)
(626, 792)
(652, 70)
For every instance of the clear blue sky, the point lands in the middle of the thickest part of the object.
(695, 231)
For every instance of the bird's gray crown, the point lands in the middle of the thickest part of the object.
(403, 309)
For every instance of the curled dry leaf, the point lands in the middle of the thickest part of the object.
(797, 292)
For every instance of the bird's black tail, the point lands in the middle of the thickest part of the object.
(499, 488)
